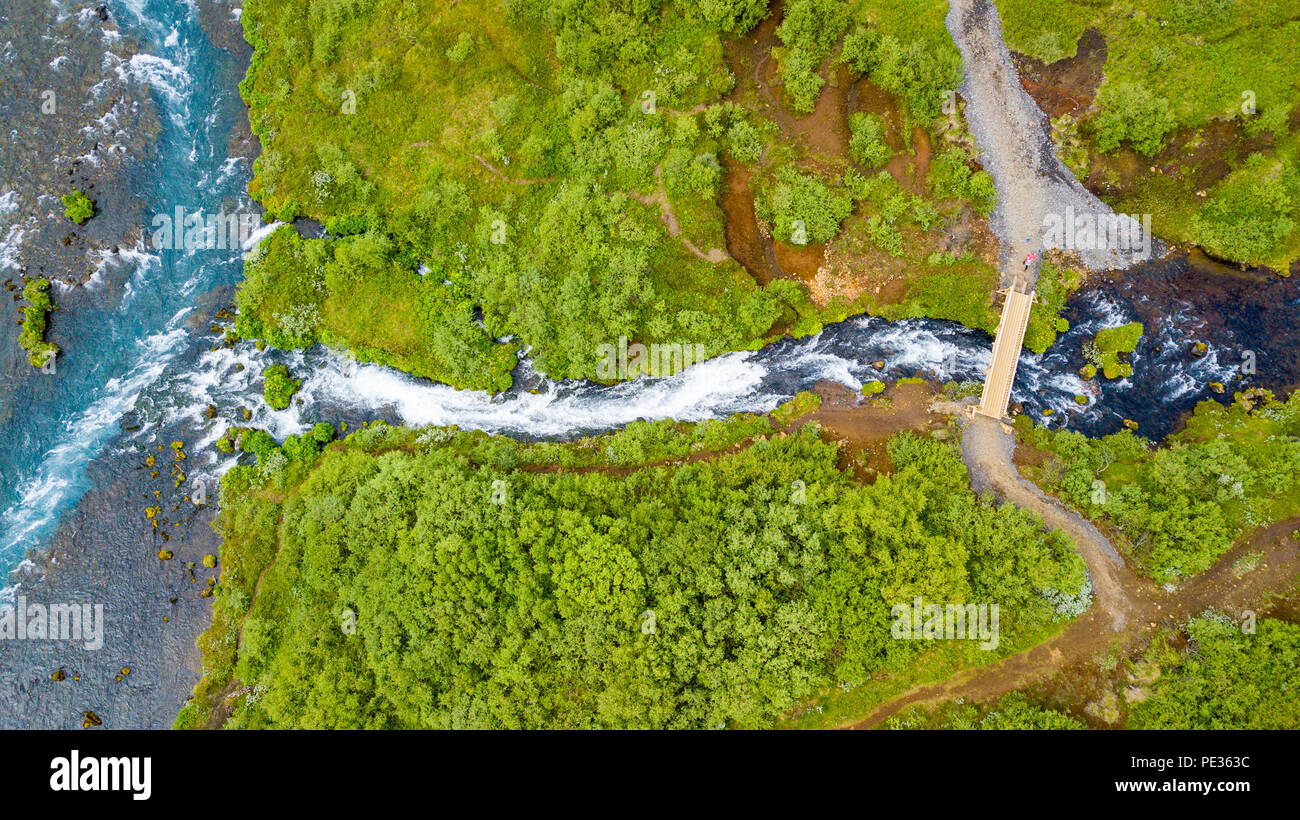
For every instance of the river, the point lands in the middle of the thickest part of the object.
(144, 366)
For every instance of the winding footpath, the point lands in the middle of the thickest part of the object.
(1032, 183)
(1012, 133)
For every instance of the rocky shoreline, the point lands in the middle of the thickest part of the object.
(147, 571)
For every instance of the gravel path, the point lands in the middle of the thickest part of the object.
(987, 451)
(1032, 183)
(1015, 146)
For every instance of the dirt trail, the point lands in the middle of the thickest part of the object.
(1126, 609)
(987, 451)
(1032, 183)
(659, 199)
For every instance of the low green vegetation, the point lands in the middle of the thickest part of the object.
(802, 208)
(1104, 350)
(803, 403)
(279, 387)
(438, 578)
(953, 288)
(77, 206)
(35, 321)
(1221, 674)
(1055, 284)
(1177, 508)
(1204, 93)
(1012, 711)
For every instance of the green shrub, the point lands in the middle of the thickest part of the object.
(802, 208)
(279, 386)
(951, 177)
(809, 30)
(1219, 677)
(1131, 114)
(744, 142)
(867, 141)
(462, 49)
(32, 337)
(919, 72)
(77, 206)
(859, 49)
(1250, 216)
(804, 402)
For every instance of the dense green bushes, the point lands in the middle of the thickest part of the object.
(77, 206)
(801, 208)
(1131, 114)
(1224, 677)
(906, 50)
(919, 72)
(951, 177)
(411, 587)
(1251, 215)
(1178, 508)
(810, 29)
(35, 319)
(279, 386)
(867, 141)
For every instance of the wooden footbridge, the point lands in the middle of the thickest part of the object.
(1017, 303)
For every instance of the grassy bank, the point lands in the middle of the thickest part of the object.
(657, 577)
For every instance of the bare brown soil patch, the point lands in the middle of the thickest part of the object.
(1066, 86)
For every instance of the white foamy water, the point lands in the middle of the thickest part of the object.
(86, 434)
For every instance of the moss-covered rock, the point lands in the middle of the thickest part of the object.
(77, 206)
(279, 387)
